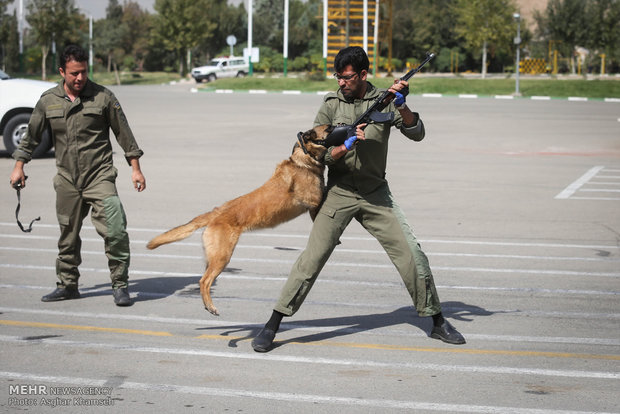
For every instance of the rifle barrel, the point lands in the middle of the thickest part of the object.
(416, 70)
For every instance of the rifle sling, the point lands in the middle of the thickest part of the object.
(29, 229)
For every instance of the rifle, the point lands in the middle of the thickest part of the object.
(373, 113)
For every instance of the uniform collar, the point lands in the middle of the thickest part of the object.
(88, 90)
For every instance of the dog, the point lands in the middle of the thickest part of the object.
(296, 186)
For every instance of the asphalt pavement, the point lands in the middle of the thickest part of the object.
(515, 201)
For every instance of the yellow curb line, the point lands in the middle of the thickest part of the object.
(326, 343)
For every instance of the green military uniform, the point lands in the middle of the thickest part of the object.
(86, 175)
(357, 188)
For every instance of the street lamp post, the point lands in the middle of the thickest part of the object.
(517, 41)
(285, 46)
(20, 28)
(250, 21)
(90, 47)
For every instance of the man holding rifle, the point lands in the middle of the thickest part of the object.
(357, 188)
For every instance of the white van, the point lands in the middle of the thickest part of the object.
(223, 67)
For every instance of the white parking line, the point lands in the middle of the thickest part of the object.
(572, 188)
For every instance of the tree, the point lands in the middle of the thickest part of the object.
(51, 21)
(603, 17)
(138, 23)
(485, 22)
(305, 30)
(564, 22)
(9, 41)
(109, 34)
(180, 25)
(230, 20)
(428, 27)
(268, 23)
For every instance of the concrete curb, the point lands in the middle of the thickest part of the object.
(424, 95)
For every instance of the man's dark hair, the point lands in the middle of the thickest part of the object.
(354, 56)
(72, 52)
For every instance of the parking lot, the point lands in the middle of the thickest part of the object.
(516, 202)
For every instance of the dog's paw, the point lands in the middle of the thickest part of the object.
(212, 309)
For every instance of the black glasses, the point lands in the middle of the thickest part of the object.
(345, 78)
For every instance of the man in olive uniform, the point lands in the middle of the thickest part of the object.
(80, 114)
(357, 188)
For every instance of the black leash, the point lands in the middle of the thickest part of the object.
(302, 141)
(18, 186)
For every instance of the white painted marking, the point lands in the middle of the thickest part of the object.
(468, 369)
(305, 236)
(468, 96)
(596, 198)
(541, 98)
(296, 326)
(572, 188)
(378, 405)
(577, 99)
(525, 271)
(350, 265)
(355, 251)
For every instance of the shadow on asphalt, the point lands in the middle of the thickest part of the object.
(142, 290)
(349, 325)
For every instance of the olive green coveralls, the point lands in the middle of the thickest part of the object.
(86, 176)
(357, 188)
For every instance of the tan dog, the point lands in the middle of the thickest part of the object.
(295, 187)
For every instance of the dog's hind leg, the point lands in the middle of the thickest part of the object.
(219, 242)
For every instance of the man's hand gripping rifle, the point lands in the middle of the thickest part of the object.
(373, 114)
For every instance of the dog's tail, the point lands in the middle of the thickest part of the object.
(180, 232)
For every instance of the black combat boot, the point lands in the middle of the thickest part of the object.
(443, 330)
(121, 297)
(62, 293)
(264, 340)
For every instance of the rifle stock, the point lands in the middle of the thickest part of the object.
(373, 113)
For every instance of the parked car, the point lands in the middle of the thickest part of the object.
(17, 100)
(223, 67)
